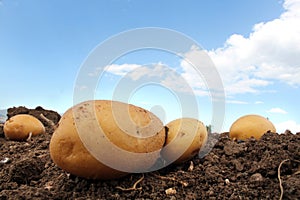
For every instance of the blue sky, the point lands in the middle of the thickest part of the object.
(254, 45)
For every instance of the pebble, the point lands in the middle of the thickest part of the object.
(257, 177)
(4, 160)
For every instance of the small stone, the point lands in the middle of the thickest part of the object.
(170, 191)
(4, 160)
(191, 167)
(227, 182)
(257, 177)
(211, 192)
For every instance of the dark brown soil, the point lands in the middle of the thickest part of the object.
(231, 170)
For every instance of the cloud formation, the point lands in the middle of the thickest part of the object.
(158, 73)
(121, 70)
(270, 53)
(277, 111)
(246, 64)
(288, 125)
(237, 102)
(194, 76)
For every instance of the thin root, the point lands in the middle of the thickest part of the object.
(184, 184)
(29, 137)
(191, 167)
(133, 187)
(280, 183)
(50, 122)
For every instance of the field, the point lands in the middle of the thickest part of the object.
(264, 169)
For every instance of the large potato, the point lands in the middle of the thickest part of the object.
(185, 137)
(19, 127)
(250, 126)
(104, 139)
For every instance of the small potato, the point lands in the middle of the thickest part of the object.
(104, 139)
(185, 137)
(20, 126)
(250, 126)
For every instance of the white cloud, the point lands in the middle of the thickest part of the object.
(288, 125)
(270, 53)
(191, 75)
(246, 64)
(158, 73)
(236, 102)
(277, 111)
(258, 102)
(121, 70)
(199, 72)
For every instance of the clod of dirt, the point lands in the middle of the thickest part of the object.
(291, 187)
(26, 170)
(257, 177)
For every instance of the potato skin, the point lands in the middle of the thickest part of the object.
(185, 138)
(250, 126)
(69, 153)
(130, 128)
(20, 126)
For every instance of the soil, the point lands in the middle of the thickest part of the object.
(231, 170)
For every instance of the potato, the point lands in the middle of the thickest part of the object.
(250, 126)
(185, 137)
(103, 139)
(20, 126)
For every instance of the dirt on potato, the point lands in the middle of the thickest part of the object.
(231, 170)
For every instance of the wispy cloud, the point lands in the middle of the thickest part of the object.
(115, 69)
(158, 73)
(236, 102)
(277, 111)
(121, 70)
(258, 102)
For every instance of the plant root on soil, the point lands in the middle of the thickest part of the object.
(133, 187)
(50, 122)
(191, 167)
(29, 137)
(279, 178)
(184, 184)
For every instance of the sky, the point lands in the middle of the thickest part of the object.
(254, 45)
